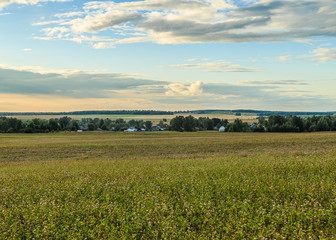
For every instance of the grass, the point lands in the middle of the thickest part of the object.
(167, 185)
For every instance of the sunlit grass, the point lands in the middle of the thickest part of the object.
(167, 185)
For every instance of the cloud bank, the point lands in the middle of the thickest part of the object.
(194, 21)
(4, 3)
(50, 90)
(76, 84)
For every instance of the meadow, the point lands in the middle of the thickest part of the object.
(168, 185)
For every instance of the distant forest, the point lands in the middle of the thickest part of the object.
(261, 113)
(117, 112)
(153, 112)
(273, 123)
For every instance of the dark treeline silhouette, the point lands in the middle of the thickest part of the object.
(257, 112)
(278, 123)
(117, 112)
(190, 123)
(14, 125)
(274, 123)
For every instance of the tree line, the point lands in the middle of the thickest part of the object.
(256, 113)
(279, 123)
(37, 125)
(274, 123)
(116, 112)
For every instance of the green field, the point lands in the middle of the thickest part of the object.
(167, 185)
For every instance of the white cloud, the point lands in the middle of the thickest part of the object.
(103, 42)
(103, 45)
(37, 69)
(58, 31)
(176, 89)
(27, 50)
(102, 21)
(4, 3)
(69, 14)
(198, 60)
(214, 66)
(283, 58)
(323, 55)
(284, 82)
(197, 21)
(47, 22)
(230, 96)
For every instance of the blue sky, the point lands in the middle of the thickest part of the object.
(65, 55)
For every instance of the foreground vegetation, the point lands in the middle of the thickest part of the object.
(167, 185)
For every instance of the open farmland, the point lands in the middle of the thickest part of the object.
(153, 118)
(167, 185)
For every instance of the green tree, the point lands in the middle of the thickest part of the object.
(176, 123)
(108, 123)
(74, 125)
(205, 123)
(189, 123)
(261, 120)
(53, 125)
(120, 121)
(3, 125)
(162, 124)
(91, 126)
(101, 123)
(224, 122)
(296, 122)
(148, 125)
(322, 125)
(216, 121)
(238, 125)
(64, 122)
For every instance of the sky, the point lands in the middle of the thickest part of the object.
(68, 55)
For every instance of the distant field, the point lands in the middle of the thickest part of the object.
(167, 185)
(154, 118)
(231, 118)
